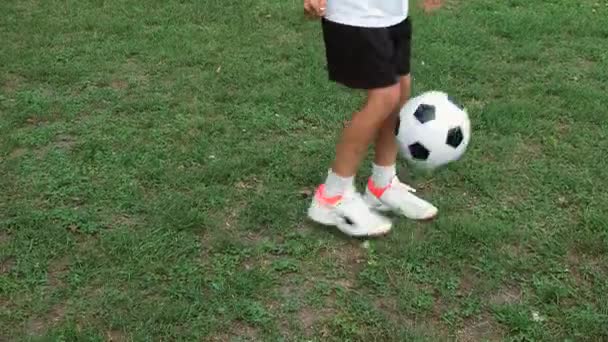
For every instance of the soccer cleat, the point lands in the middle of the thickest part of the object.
(349, 213)
(400, 198)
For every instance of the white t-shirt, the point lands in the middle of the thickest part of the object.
(367, 13)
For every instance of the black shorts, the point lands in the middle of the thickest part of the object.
(367, 57)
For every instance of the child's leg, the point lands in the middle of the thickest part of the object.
(355, 139)
(359, 58)
(336, 202)
(385, 191)
(386, 148)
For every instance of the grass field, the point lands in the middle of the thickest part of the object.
(157, 159)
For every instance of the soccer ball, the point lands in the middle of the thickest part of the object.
(432, 130)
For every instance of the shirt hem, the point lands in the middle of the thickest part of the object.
(366, 22)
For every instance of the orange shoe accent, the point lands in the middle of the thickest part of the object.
(319, 195)
(378, 192)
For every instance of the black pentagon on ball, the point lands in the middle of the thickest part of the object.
(455, 137)
(425, 113)
(418, 151)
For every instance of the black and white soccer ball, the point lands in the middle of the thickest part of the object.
(433, 130)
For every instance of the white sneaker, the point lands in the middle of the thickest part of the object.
(399, 197)
(349, 213)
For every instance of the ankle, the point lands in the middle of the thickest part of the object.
(382, 176)
(336, 185)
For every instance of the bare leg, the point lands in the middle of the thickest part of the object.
(386, 148)
(356, 137)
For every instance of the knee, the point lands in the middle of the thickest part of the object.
(405, 91)
(390, 98)
(381, 104)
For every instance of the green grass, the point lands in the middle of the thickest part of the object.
(156, 160)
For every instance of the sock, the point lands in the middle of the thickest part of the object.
(382, 176)
(336, 185)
